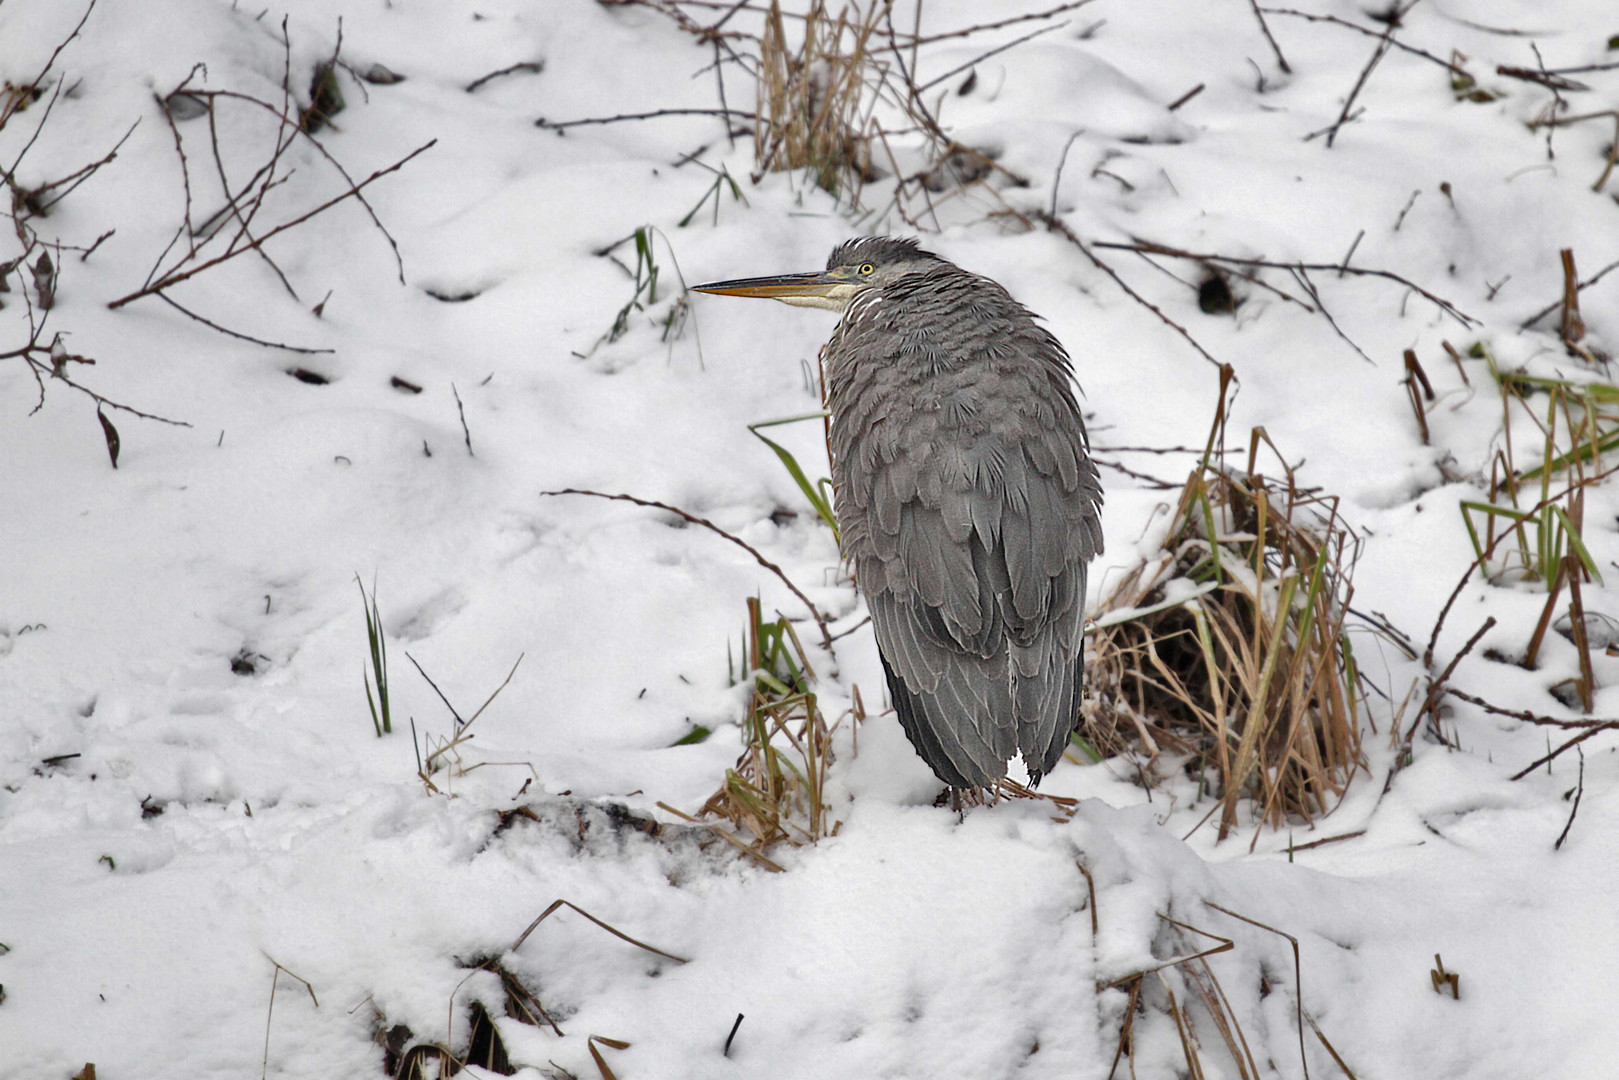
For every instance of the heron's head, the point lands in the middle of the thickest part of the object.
(870, 262)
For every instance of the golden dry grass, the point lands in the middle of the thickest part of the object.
(1225, 655)
(809, 96)
(776, 790)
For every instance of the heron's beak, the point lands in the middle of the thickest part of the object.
(818, 289)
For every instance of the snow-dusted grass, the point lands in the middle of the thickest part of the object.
(192, 790)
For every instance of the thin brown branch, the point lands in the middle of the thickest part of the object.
(1301, 275)
(1188, 96)
(1154, 482)
(1579, 791)
(815, 612)
(527, 67)
(74, 179)
(1609, 725)
(228, 332)
(1454, 69)
(1383, 45)
(10, 175)
(175, 278)
(1583, 69)
(912, 41)
(1056, 224)
(1558, 303)
(286, 122)
(1552, 82)
(65, 42)
(245, 220)
(562, 125)
(1325, 840)
(1014, 43)
(186, 228)
(1212, 257)
(1436, 689)
(1264, 28)
(1527, 716)
(621, 935)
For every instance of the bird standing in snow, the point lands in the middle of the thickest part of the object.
(968, 505)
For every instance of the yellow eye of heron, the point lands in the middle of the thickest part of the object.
(867, 268)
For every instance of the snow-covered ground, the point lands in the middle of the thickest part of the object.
(191, 790)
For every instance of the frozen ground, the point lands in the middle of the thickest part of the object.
(912, 944)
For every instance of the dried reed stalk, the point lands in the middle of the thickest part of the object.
(1227, 649)
(775, 792)
(809, 98)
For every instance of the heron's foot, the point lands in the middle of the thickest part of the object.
(960, 798)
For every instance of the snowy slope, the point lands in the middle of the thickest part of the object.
(171, 830)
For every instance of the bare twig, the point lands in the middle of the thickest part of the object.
(1298, 973)
(1301, 275)
(1454, 69)
(815, 612)
(1163, 249)
(245, 220)
(1056, 179)
(621, 935)
(1325, 840)
(1409, 203)
(64, 43)
(79, 176)
(174, 278)
(1555, 304)
(1579, 790)
(1264, 28)
(1609, 725)
(1551, 81)
(466, 432)
(979, 28)
(1436, 689)
(1382, 49)
(1056, 224)
(563, 125)
(527, 67)
(1184, 98)
(227, 331)
(1527, 716)
(1014, 43)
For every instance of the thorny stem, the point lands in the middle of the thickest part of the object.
(176, 277)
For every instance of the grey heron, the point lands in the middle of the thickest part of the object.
(968, 505)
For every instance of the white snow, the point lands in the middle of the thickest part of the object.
(913, 943)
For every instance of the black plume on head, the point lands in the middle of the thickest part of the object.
(879, 251)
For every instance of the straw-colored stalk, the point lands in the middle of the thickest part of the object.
(809, 98)
(775, 791)
(1227, 651)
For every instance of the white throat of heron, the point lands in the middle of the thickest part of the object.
(835, 298)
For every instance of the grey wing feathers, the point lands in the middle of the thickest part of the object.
(981, 666)
(969, 509)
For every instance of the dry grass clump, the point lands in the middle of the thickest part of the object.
(1226, 654)
(809, 98)
(776, 790)
(838, 97)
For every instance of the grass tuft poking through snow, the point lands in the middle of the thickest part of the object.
(1224, 655)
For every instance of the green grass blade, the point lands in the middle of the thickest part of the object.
(1577, 544)
(813, 492)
